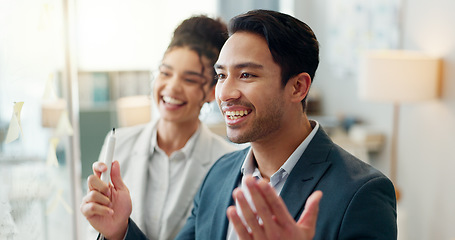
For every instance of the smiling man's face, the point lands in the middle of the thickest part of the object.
(249, 91)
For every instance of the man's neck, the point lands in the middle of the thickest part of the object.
(271, 153)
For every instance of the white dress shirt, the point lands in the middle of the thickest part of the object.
(164, 175)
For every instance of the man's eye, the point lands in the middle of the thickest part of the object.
(246, 75)
(220, 76)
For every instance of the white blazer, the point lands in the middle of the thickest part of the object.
(132, 150)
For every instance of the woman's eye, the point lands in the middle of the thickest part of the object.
(188, 80)
(164, 74)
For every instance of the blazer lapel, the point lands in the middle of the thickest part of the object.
(231, 181)
(137, 177)
(198, 164)
(306, 173)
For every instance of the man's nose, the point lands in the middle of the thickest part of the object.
(227, 90)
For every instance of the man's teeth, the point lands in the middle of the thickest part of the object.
(171, 100)
(236, 114)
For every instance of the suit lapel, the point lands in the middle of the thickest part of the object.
(300, 184)
(231, 181)
(138, 168)
(198, 163)
(306, 173)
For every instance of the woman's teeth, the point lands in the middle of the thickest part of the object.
(171, 100)
(236, 114)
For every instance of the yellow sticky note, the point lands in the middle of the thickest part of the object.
(64, 127)
(49, 91)
(51, 153)
(15, 124)
(58, 199)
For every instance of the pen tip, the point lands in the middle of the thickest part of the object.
(113, 129)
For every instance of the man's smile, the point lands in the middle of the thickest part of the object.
(233, 115)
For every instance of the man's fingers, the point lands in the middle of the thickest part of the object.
(95, 203)
(116, 178)
(276, 204)
(250, 217)
(262, 207)
(240, 229)
(97, 197)
(95, 184)
(92, 209)
(310, 214)
(98, 168)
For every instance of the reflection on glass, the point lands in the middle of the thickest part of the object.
(34, 177)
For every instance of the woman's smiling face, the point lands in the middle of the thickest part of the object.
(183, 85)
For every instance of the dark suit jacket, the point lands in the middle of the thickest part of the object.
(358, 202)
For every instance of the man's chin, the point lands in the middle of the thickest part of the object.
(236, 138)
(238, 141)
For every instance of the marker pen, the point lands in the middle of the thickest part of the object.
(106, 176)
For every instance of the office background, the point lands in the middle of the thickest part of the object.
(92, 53)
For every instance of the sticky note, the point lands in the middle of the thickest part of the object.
(64, 127)
(58, 199)
(49, 90)
(51, 153)
(15, 128)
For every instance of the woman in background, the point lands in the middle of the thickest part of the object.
(163, 162)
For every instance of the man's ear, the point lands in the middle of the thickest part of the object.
(299, 86)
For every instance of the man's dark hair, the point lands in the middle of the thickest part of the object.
(293, 44)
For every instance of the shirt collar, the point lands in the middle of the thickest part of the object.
(249, 166)
(187, 150)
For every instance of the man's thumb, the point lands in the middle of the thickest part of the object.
(115, 176)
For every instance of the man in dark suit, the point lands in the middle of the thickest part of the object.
(264, 72)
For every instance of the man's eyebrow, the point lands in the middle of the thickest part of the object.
(218, 66)
(241, 65)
